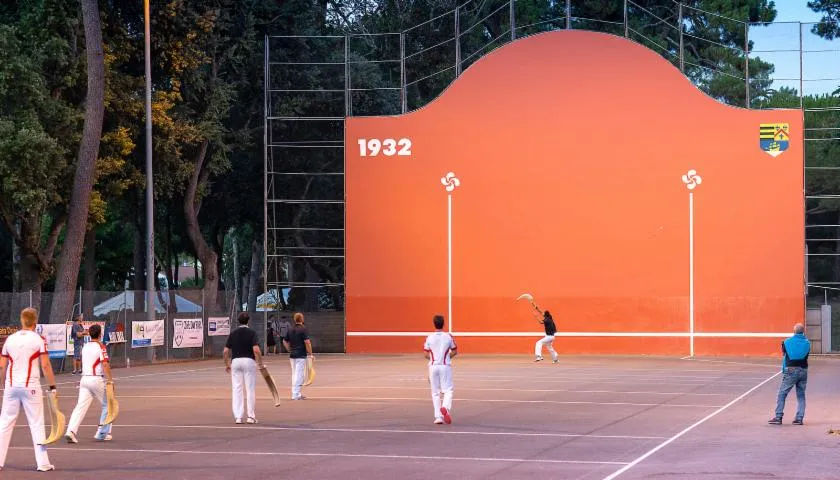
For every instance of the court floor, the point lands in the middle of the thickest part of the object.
(371, 417)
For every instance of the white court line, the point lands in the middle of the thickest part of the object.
(460, 387)
(531, 390)
(582, 334)
(558, 378)
(379, 430)
(729, 362)
(582, 376)
(226, 453)
(221, 368)
(557, 402)
(76, 381)
(688, 429)
(683, 383)
(410, 399)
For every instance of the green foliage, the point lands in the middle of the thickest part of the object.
(192, 282)
(829, 26)
(208, 86)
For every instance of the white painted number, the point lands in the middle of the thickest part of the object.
(405, 147)
(388, 147)
(374, 146)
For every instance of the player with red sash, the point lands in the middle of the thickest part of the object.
(439, 349)
(95, 366)
(23, 353)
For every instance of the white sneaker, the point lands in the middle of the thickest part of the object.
(46, 468)
(539, 359)
(106, 438)
(238, 421)
(251, 420)
(70, 437)
(438, 421)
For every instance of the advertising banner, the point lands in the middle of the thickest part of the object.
(56, 335)
(188, 333)
(218, 326)
(115, 333)
(147, 334)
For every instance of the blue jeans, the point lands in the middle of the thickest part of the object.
(793, 377)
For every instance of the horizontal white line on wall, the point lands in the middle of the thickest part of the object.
(583, 334)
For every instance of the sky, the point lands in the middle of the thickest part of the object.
(821, 60)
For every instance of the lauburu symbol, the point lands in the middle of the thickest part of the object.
(450, 181)
(691, 179)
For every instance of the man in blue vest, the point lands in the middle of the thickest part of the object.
(794, 374)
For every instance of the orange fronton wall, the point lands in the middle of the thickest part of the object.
(570, 148)
(577, 345)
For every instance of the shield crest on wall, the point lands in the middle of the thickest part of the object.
(774, 138)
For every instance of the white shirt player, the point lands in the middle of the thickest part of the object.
(439, 344)
(23, 350)
(93, 354)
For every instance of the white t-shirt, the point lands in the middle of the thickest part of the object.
(439, 344)
(23, 351)
(93, 354)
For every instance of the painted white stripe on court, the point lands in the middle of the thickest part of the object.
(521, 390)
(460, 387)
(584, 375)
(410, 399)
(127, 377)
(333, 455)
(582, 334)
(688, 429)
(387, 431)
(634, 381)
(695, 359)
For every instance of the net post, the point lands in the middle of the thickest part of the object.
(457, 41)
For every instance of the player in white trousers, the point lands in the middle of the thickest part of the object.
(242, 357)
(439, 349)
(299, 346)
(550, 329)
(23, 387)
(95, 366)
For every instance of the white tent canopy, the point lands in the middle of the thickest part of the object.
(267, 302)
(125, 301)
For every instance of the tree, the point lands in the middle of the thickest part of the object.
(42, 105)
(39, 122)
(829, 26)
(80, 198)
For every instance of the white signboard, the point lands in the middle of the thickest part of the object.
(218, 326)
(189, 333)
(147, 334)
(56, 335)
(116, 337)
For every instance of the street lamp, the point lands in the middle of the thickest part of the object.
(151, 278)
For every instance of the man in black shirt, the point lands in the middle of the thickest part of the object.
(242, 355)
(550, 330)
(299, 347)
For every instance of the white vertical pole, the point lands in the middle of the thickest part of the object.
(449, 263)
(691, 271)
